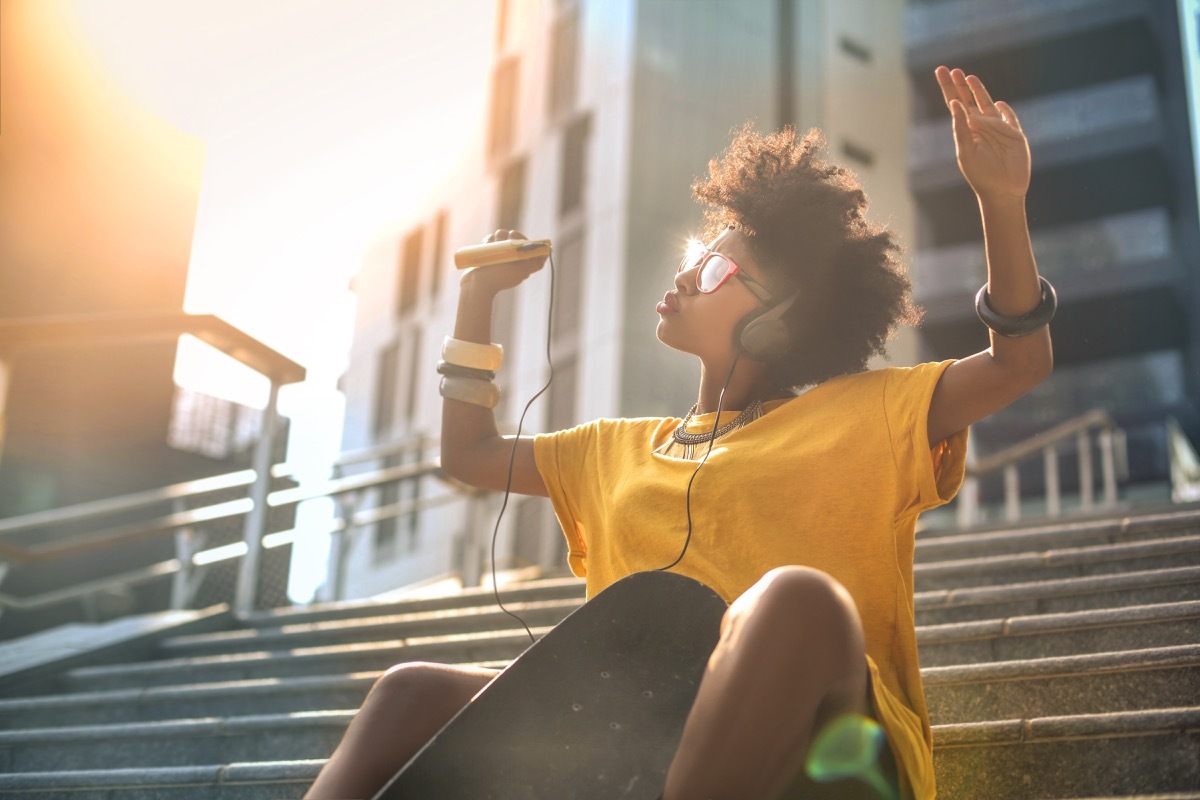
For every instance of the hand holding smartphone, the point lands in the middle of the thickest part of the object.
(502, 252)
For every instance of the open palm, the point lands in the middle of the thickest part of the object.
(993, 152)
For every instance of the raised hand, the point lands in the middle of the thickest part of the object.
(993, 152)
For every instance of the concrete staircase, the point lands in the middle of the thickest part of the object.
(1060, 661)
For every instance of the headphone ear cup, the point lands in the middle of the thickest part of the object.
(765, 336)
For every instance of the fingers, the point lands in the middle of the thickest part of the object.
(982, 99)
(1010, 116)
(967, 89)
(962, 128)
(501, 235)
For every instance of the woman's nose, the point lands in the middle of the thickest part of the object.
(685, 280)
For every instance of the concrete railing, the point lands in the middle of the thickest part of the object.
(75, 330)
(1113, 465)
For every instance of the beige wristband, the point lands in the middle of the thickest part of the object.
(472, 354)
(470, 390)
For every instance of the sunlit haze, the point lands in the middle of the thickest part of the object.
(324, 122)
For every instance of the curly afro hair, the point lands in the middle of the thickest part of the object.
(804, 221)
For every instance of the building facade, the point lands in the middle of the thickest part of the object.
(601, 115)
(1101, 90)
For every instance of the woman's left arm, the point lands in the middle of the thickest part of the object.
(993, 155)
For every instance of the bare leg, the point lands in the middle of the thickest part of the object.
(404, 709)
(790, 658)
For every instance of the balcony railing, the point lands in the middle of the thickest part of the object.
(931, 23)
(1120, 240)
(1094, 111)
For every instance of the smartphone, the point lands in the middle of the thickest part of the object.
(484, 255)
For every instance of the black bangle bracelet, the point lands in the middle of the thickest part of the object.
(458, 371)
(1013, 327)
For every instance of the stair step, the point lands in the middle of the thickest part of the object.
(1057, 596)
(936, 545)
(1039, 636)
(526, 592)
(278, 780)
(1044, 635)
(332, 660)
(1062, 562)
(175, 743)
(444, 622)
(1127, 753)
(1134, 680)
(226, 698)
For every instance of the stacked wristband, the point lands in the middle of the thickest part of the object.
(467, 370)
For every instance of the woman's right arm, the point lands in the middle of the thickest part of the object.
(473, 451)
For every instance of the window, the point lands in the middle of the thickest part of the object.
(512, 196)
(574, 165)
(384, 539)
(858, 153)
(385, 390)
(855, 49)
(527, 537)
(561, 413)
(439, 253)
(564, 63)
(414, 374)
(504, 108)
(568, 289)
(410, 272)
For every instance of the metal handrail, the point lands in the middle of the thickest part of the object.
(282, 498)
(108, 328)
(1114, 464)
(57, 331)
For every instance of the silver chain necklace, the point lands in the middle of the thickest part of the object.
(681, 434)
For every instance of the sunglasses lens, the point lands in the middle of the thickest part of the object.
(713, 273)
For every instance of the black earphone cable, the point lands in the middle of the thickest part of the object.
(711, 439)
(512, 456)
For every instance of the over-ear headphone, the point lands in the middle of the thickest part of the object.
(764, 335)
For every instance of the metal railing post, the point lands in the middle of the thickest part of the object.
(256, 521)
(1108, 467)
(1053, 501)
(1012, 493)
(1086, 478)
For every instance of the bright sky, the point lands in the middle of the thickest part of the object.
(324, 122)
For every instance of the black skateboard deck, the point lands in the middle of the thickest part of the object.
(592, 711)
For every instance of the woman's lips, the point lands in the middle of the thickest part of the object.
(669, 304)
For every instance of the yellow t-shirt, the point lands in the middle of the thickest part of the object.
(832, 479)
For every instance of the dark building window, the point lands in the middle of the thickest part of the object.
(854, 49)
(512, 196)
(384, 539)
(439, 252)
(561, 413)
(574, 165)
(410, 272)
(568, 288)
(385, 390)
(858, 153)
(564, 63)
(414, 373)
(501, 23)
(501, 132)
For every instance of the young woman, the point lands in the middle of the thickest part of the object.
(802, 516)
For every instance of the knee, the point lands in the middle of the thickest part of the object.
(404, 685)
(804, 600)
